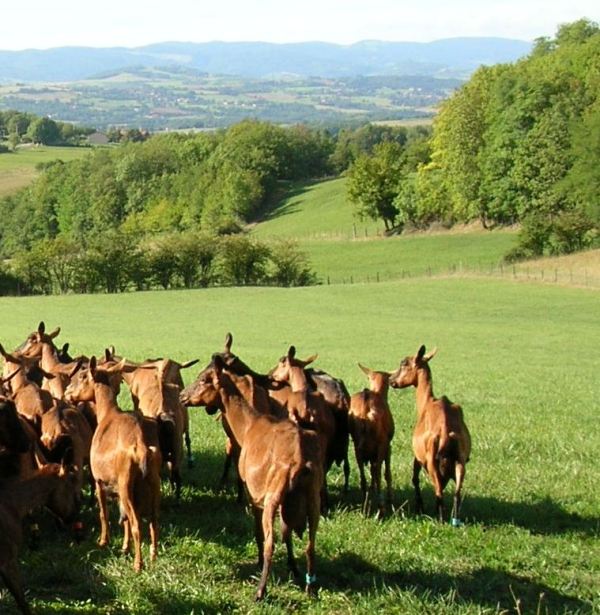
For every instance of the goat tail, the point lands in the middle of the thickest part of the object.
(446, 442)
(139, 456)
(306, 470)
(166, 435)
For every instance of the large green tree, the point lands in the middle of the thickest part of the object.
(373, 183)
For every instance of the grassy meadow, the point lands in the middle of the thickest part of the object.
(18, 168)
(522, 359)
(343, 248)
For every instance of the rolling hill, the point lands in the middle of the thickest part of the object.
(446, 57)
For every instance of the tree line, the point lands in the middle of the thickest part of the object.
(518, 143)
(118, 261)
(126, 208)
(17, 127)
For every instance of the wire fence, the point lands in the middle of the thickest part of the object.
(576, 277)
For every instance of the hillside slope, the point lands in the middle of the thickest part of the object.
(344, 248)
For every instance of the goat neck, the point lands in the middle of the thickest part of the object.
(240, 415)
(424, 385)
(106, 400)
(297, 379)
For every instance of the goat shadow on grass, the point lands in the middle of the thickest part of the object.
(353, 500)
(543, 516)
(486, 586)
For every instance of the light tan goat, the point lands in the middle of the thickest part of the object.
(371, 426)
(124, 457)
(441, 441)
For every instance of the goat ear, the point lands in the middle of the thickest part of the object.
(188, 363)
(429, 355)
(228, 342)
(310, 360)
(93, 365)
(9, 378)
(9, 357)
(291, 352)
(420, 353)
(76, 368)
(365, 369)
(118, 367)
(218, 363)
(54, 333)
(41, 327)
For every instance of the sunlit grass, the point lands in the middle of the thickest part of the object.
(521, 359)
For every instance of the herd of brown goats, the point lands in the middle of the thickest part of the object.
(60, 425)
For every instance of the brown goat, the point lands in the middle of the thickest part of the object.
(372, 428)
(14, 439)
(139, 377)
(66, 437)
(280, 464)
(50, 486)
(155, 398)
(336, 396)
(30, 399)
(441, 440)
(124, 457)
(254, 390)
(308, 407)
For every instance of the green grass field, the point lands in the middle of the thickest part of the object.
(316, 210)
(18, 169)
(522, 359)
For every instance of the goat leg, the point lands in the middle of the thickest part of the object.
(188, 447)
(416, 485)
(258, 533)
(104, 527)
(286, 534)
(346, 466)
(268, 547)
(459, 473)
(313, 522)
(11, 577)
(388, 478)
(363, 487)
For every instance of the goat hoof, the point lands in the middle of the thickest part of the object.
(456, 522)
(260, 595)
(312, 590)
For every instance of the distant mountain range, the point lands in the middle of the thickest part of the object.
(456, 57)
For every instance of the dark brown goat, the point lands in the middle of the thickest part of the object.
(280, 464)
(372, 428)
(50, 486)
(124, 457)
(441, 440)
(14, 439)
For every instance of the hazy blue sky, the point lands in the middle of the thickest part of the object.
(130, 23)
